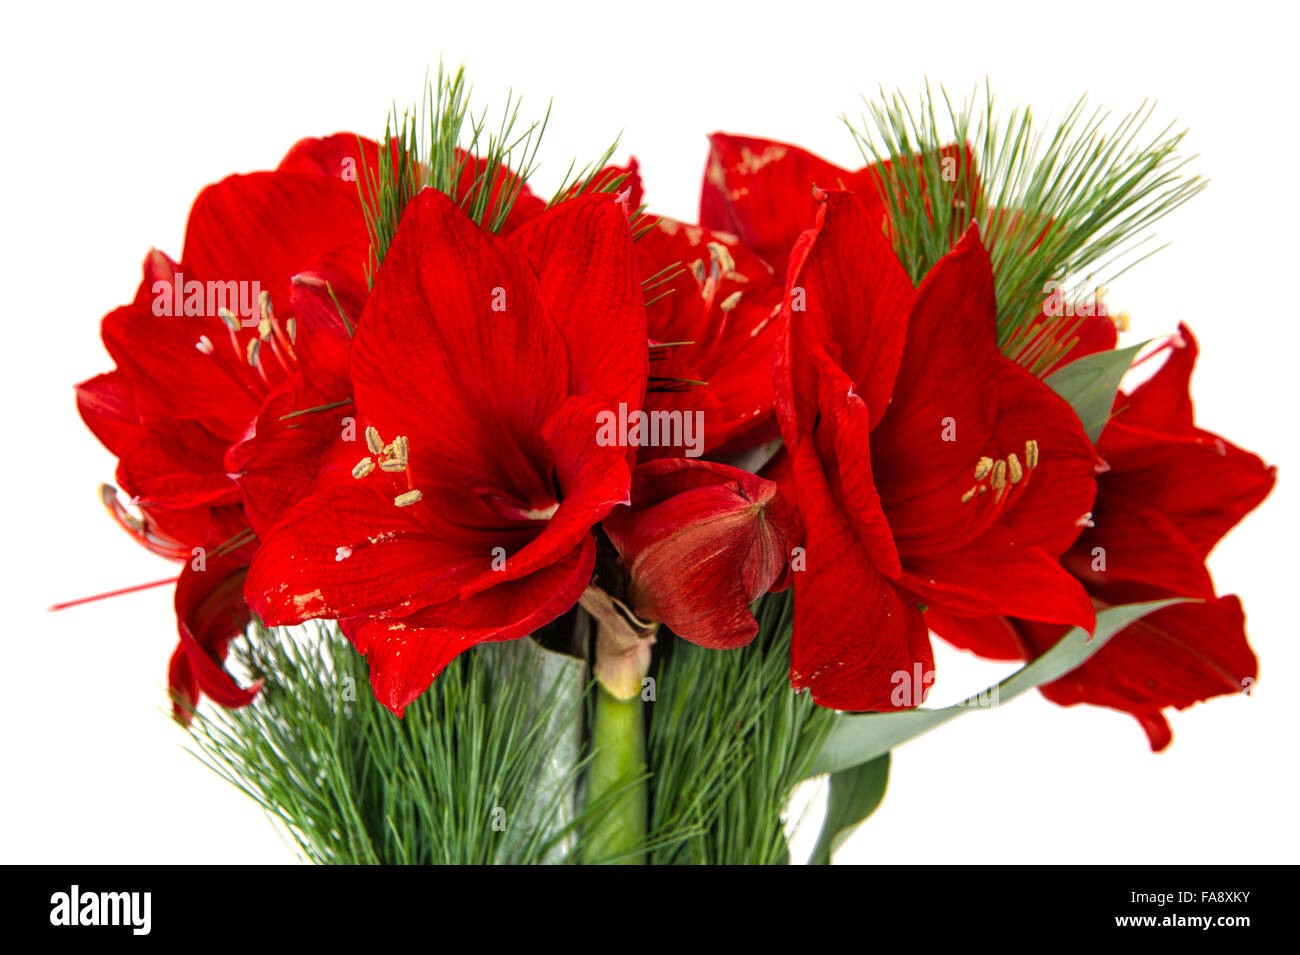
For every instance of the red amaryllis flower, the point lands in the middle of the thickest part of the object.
(701, 542)
(480, 370)
(929, 469)
(1171, 493)
(712, 323)
(761, 190)
(202, 350)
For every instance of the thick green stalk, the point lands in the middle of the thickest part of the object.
(618, 776)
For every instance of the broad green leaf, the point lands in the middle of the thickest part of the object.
(559, 682)
(1089, 385)
(855, 794)
(858, 738)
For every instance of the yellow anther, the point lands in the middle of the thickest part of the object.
(391, 465)
(731, 301)
(407, 499)
(228, 317)
(264, 329)
(1015, 471)
(253, 348)
(999, 479)
(264, 304)
(373, 441)
(969, 494)
(722, 255)
(291, 326)
(1031, 454)
(983, 467)
(364, 467)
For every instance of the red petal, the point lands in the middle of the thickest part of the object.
(591, 480)
(762, 191)
(279, 457)
(329, 155)
(108, 409)
(182, 686)
(582, 253)
(210, 610)
(1026, 583)
(406, 655)
(169, 376)
(1160, 460)
(1134, 542)
(866, 320)
(1174, 657)
(177, 464)
(267, 226)
(994, 638)
(393, 558)
(854, 632)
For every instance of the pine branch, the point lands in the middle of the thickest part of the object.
(436, 149)
(466, 776)
(1072, 207)
(729, 740)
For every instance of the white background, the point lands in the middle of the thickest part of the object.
(114, 119)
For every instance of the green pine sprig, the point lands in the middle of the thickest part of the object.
(483, 768)
(435, 146)
(728, 742)
(1071, 204)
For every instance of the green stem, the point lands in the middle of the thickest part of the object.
(618, 774)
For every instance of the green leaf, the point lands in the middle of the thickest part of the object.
(855, 794)
(1089, 385)
(858, 738)
(558, 682)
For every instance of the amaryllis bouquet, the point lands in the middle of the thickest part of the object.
(519, 529)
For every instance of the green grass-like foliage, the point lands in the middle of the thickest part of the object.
(482, 769)
(434, 146)
(486, 766)
(1072, 204)
(728, 742)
